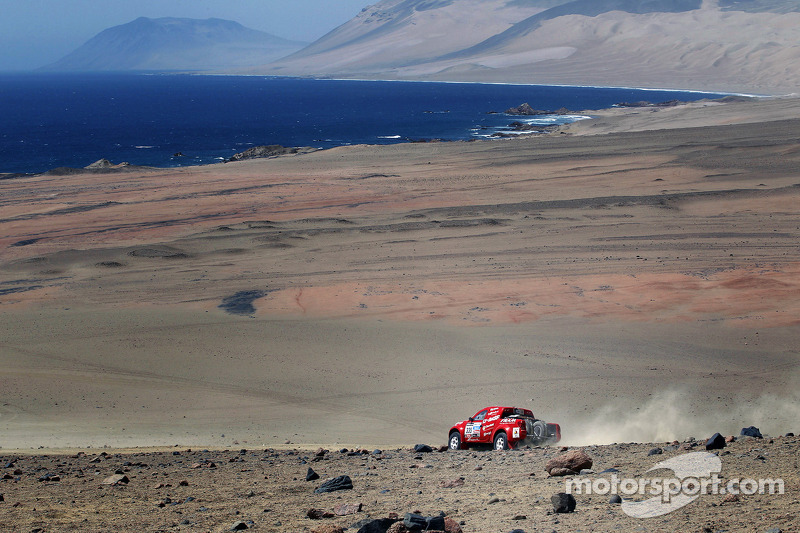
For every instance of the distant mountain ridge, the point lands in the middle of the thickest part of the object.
(171, 44)
(718, 45)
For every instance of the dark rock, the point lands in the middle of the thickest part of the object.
(563, 502)
(337, 483)
(416, 522)
(716, 442)
(570, 463)
(374, 526)
(790, 434)
(238, 526)
(272, 150)
(2, 499)
(525, 109)
(655, 451)
(616, 498)
(241, 303)
(423, 448)
(311, 475)
(752, 431)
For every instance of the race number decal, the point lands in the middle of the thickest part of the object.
(515, 433)
(472, 431)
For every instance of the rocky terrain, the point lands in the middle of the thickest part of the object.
(279, 489)
(633, 278)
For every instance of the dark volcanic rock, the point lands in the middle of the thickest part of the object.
(238, 526)
(375, 526)
(716, 442)
(416, 522)
(311, 475)
(655, 451)
(752, 431)
(563, 502)
(525, 109)
(423, 448)
(337, 483)
(272, 150)
(616, 498)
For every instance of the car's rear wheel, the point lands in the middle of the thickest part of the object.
(455, 441)
(501, 441)
(539, 431)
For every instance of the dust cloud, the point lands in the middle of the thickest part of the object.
(677, 415)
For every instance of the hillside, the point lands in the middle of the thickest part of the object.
(176, 44)
(724, 45)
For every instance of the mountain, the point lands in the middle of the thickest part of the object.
(721, 45)
(176, 44)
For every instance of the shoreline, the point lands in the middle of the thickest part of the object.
(466, 138)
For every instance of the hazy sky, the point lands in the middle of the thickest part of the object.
(34, 33)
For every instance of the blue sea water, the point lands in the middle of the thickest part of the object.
(55, 120)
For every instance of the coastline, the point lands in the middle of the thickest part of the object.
(196, 150)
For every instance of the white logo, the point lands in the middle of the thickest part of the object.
(695, 474)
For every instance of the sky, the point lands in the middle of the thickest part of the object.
(34, 33)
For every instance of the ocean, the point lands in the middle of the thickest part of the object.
(72, 120)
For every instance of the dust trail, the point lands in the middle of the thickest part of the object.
(676, 415)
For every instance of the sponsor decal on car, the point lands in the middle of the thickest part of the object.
(515, 433)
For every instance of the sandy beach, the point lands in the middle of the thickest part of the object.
(641, 262)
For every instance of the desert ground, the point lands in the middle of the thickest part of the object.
(633, 277)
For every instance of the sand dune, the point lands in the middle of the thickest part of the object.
(373, 295)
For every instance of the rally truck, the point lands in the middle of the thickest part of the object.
(504, 428)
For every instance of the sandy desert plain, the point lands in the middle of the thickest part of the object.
(633, 277)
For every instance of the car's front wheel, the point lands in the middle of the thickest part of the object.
(455, 441)
(501, 441)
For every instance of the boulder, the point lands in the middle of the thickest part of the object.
(563, 502)
(716, 442)
(318, 514)
(655, 451)
(451, 526)
(416, 522)
(238, 526)
(570, 463)
(116, 479)
(423, 448)
(752, 431)
(615, 499)
(311, 475)
(337, 483)
(344, 509)
(380, 525)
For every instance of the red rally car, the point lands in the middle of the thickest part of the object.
(503, 428)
